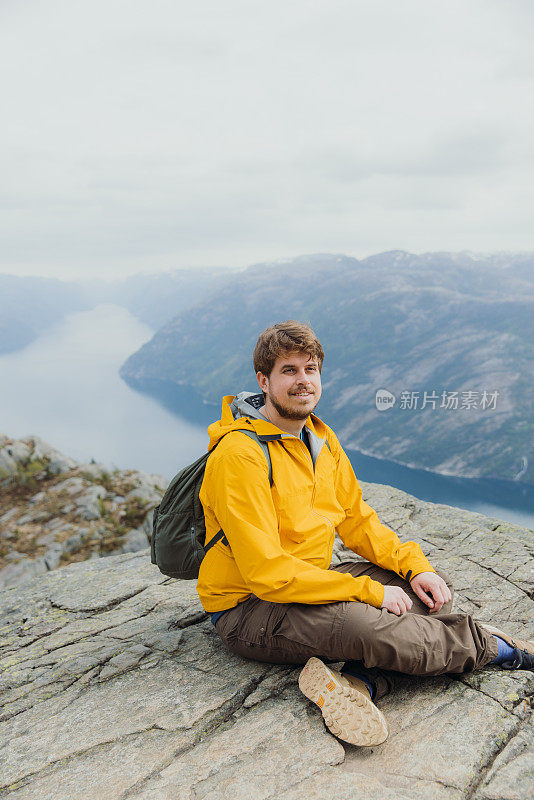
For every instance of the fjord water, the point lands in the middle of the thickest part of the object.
(65, 387)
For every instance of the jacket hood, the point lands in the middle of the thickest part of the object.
(241, 411)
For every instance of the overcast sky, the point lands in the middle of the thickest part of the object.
(144, 136)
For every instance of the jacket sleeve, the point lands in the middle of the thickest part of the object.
(362, 531)
(240, 496)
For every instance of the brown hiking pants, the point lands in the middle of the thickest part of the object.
(415, 643)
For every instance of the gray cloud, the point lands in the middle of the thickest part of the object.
(178, 134)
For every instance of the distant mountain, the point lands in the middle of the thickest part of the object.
(30, 305)
(436, 323)
(156, 299)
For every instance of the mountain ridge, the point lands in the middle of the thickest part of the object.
(412, 331)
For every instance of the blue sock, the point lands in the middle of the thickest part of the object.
(506, 653)
(350, 670)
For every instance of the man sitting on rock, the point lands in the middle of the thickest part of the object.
(273, 596)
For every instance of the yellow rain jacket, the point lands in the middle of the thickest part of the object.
(281, 537)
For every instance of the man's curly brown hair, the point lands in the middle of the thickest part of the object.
(284, 338)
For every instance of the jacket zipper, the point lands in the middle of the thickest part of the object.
(321, 516)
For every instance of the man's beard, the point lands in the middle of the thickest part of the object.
(289, 413)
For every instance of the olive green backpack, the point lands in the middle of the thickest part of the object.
(179, 528)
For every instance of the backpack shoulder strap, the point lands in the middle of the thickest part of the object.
(263, 443)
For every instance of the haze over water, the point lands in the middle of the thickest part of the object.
(65, 387)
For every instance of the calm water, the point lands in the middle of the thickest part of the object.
(65, 387)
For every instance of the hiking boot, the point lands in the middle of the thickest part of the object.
(523, 649)
(345, 703)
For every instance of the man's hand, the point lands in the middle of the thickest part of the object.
(396, 600)
(431, 589)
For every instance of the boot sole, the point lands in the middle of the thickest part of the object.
(348, 713)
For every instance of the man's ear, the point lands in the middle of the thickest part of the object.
(263, 381)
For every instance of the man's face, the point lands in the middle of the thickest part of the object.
(294, 386)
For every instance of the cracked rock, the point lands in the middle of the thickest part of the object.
(273, 745)
(511, 776)
(114, 684)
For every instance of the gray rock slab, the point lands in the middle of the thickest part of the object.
(52, 556)
(116, 580)
(512, 690)
(19, 451)
(333, 783)
(8, 515)
(22, 570)
(70, 486)
(58, 462)
(15, 556)
(37, 498)
(273, 746)
(87, 504)
(33, 515)
(104, 772)
(511, 775)
(114, 684)
(441, 732)
(145, 494)
(134, 541)
(7, 462)
(96, 470)
(165, 696)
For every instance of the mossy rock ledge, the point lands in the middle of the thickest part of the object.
(55, 511)
(115, 685)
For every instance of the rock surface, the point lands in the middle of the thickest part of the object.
(54, 511)
(115, 685)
